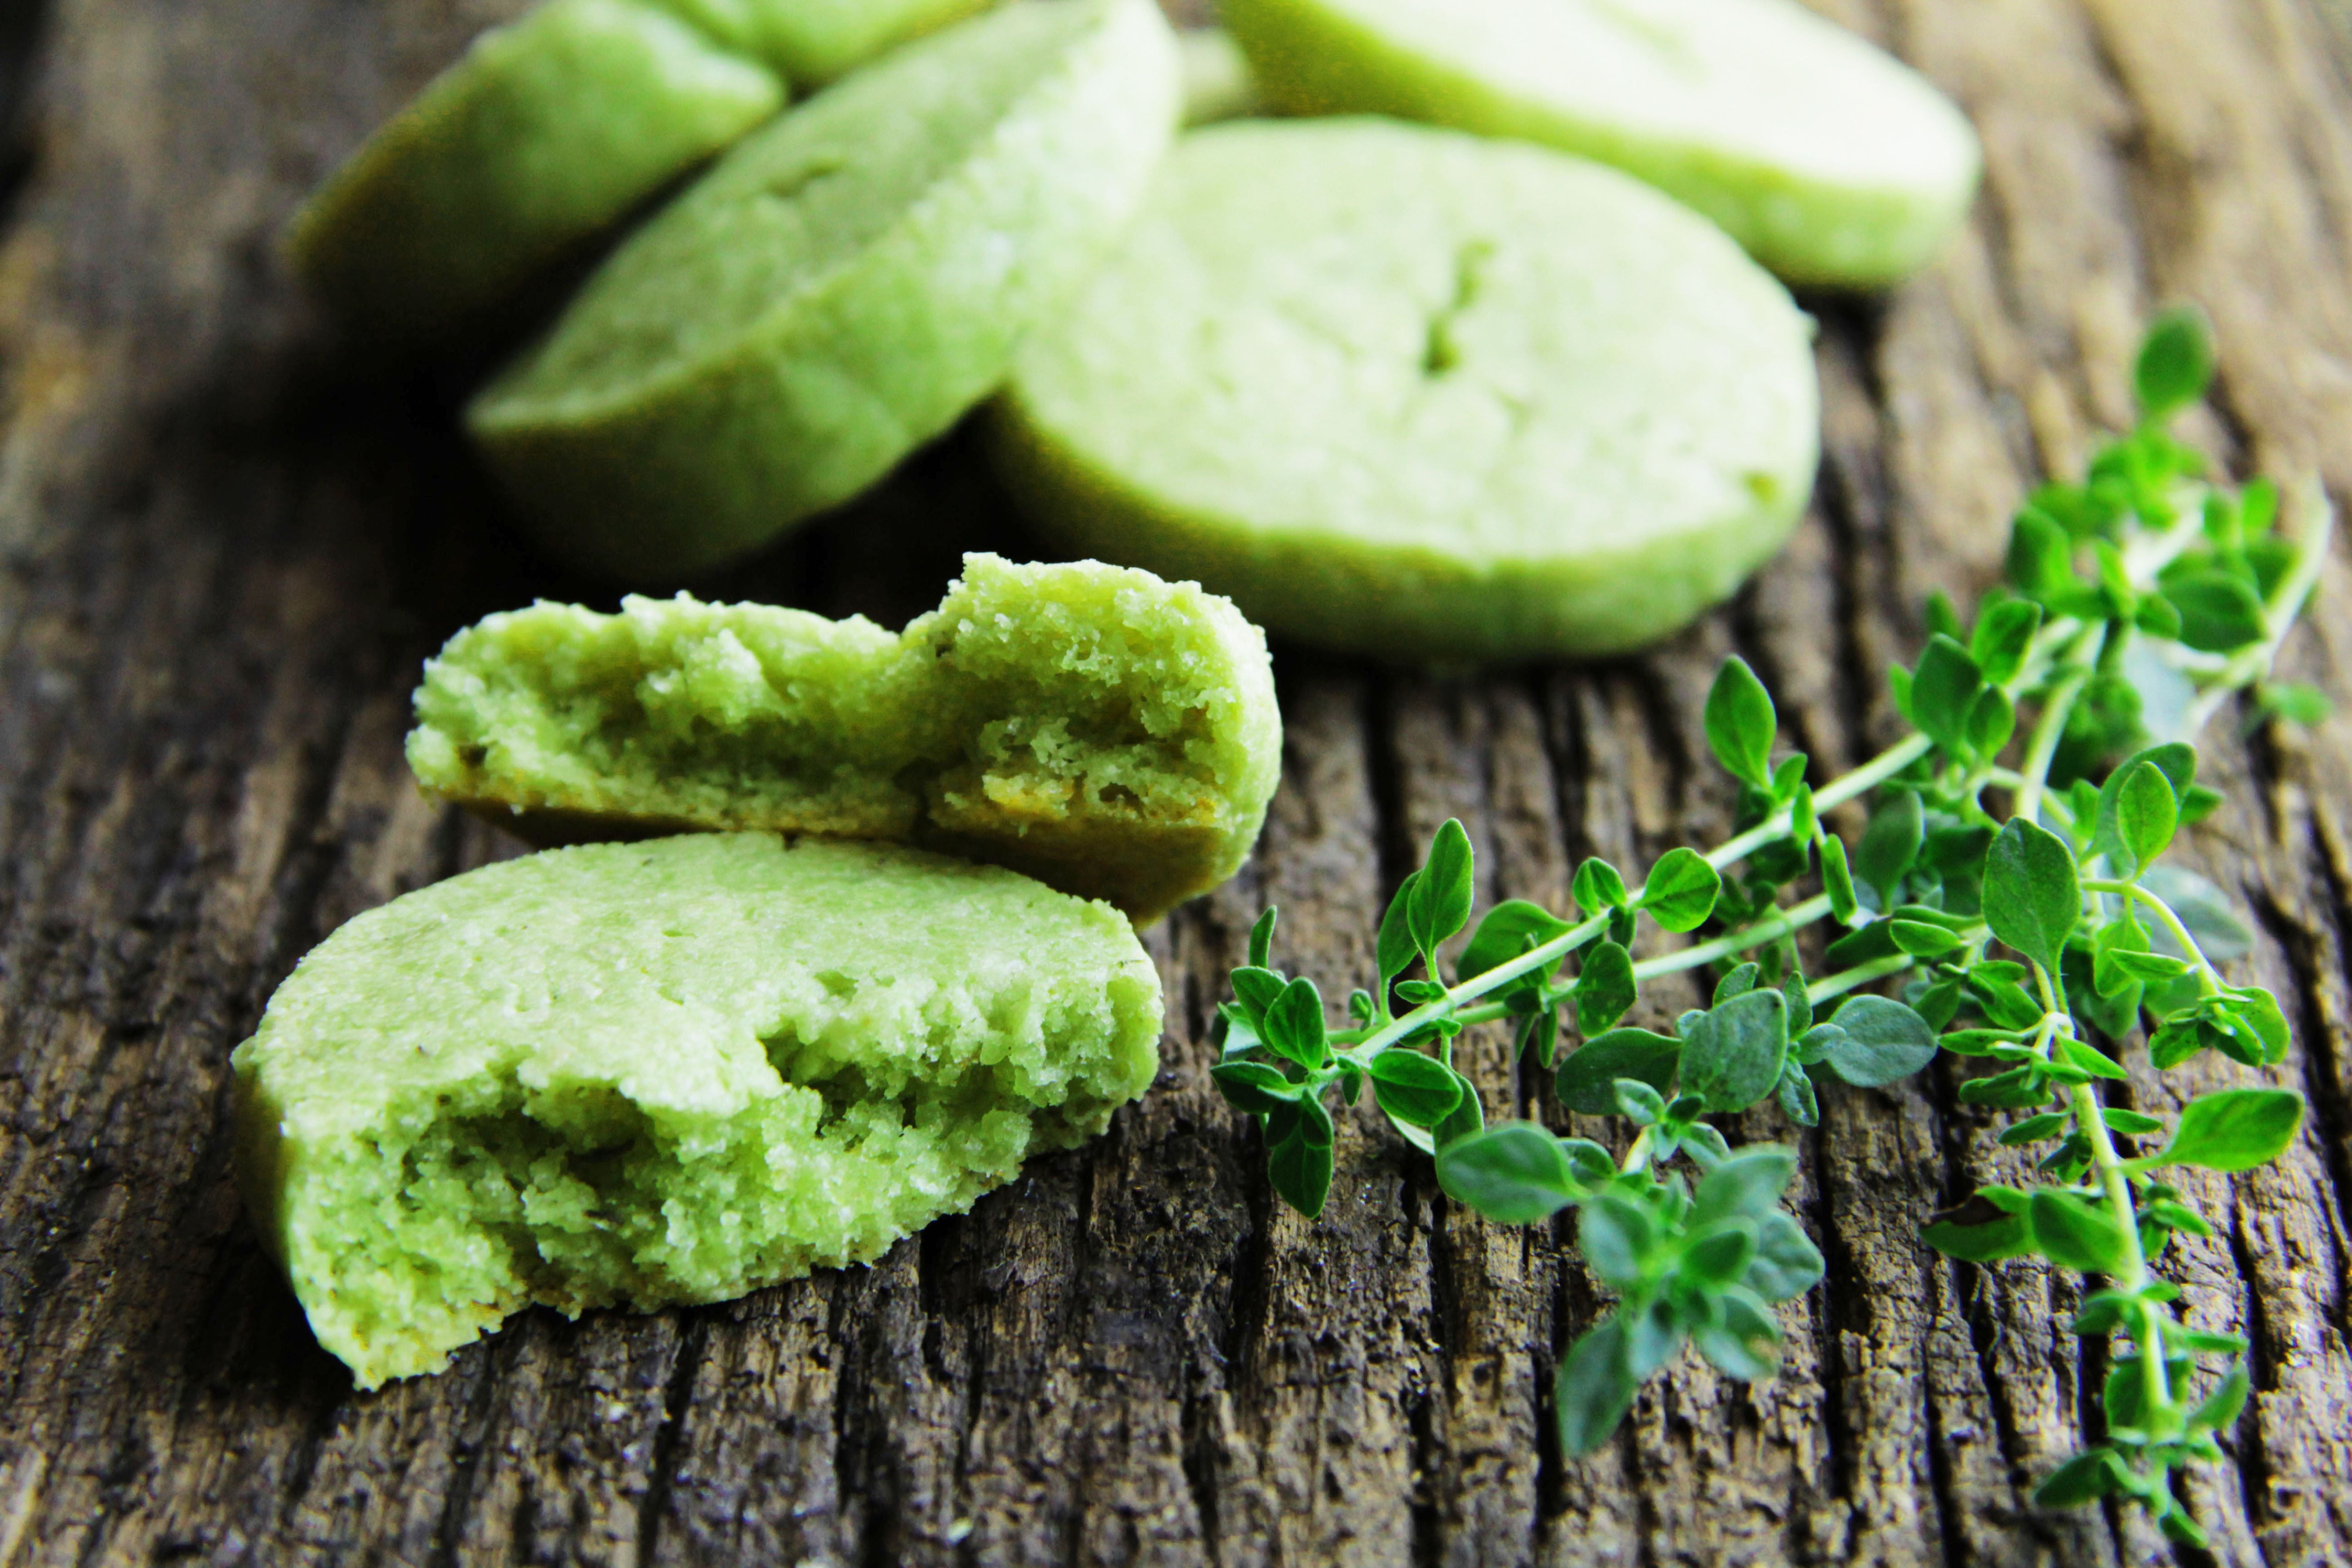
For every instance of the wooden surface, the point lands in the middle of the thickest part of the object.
(225, 552)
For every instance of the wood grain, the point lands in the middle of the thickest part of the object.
(223, 550)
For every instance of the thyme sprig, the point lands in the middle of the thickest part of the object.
(1966, 854)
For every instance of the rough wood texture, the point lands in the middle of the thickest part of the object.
(225, 553)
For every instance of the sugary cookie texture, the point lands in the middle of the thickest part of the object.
(1108, 732)
(671, 1071)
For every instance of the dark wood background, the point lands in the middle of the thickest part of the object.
(224, 550)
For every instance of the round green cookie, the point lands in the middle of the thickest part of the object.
(675, 1071)
(836, 291)
(544, 134)
(1421, 395)
(1828, 159)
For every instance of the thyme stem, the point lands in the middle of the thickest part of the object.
(1783, 922)
(2280, 612)
(1830, 986)
(2050, 729)
(2209, 977)
(2091, 1117)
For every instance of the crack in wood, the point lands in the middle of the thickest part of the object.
(661, 1473)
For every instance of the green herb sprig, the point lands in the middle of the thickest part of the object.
(2023, 905)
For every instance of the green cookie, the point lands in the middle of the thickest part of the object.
(674, 1071)
(1829, 159)
(1111, 734)
(545, 133)
(1421, 395)
(836, 291)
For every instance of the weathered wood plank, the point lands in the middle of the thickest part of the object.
(223, 553)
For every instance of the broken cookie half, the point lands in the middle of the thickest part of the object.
(1110, 734)
(664, 1072)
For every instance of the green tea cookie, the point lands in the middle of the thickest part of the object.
(1421, 395)
(1828, 159)
(544, 134)
(644, 1074)
(836, 291)
(1105, 732)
